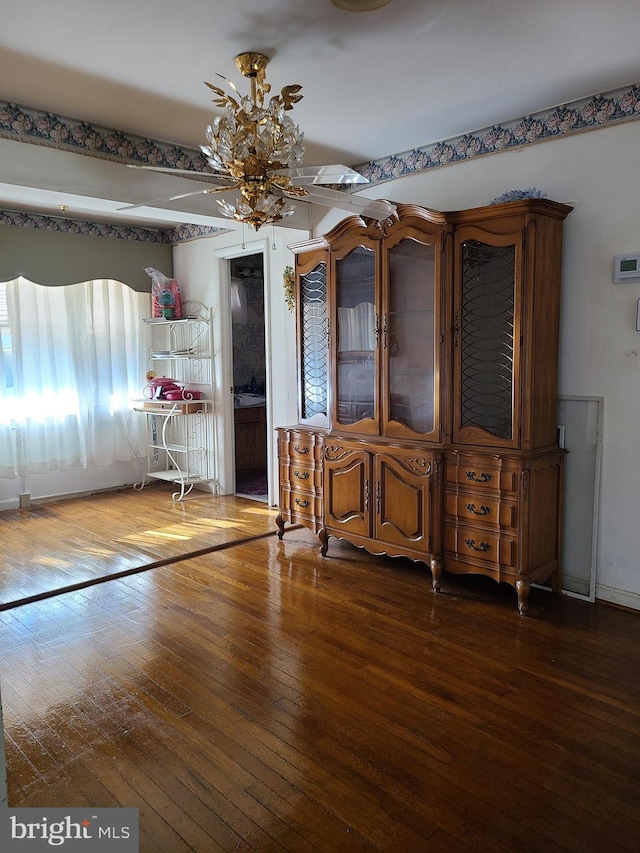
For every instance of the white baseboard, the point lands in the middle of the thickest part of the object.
(14, 503)
(618, 596)
(10, 503)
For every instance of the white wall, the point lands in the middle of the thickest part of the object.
(202, 269)
(597, 172)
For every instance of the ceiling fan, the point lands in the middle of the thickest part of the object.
(256, 149)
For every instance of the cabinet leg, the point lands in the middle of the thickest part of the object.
(522, 588)
(436, 573)
(280, 525)
(323, 536)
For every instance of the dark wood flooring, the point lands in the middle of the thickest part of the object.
(260, 697)
(61, 545)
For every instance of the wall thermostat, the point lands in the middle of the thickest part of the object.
(626, 268)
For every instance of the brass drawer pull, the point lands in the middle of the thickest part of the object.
(301, 475)
(483, 546)
(300, 449)
(483, 478)
(303, 504)
(484, 510)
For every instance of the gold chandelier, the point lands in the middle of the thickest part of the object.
(252, 142)
(255, 148)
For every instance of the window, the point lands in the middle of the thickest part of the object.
(73, 357)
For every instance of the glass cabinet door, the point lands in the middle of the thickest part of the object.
(312, 330)
(355, 341)
(409, 335)
(486, 355)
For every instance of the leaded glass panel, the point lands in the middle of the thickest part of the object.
(313, 322)
(487, 325)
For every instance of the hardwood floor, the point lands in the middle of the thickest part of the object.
(67, 544)
(260, 697)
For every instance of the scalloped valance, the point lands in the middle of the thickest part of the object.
(55, 258)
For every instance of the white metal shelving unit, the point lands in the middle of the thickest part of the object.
(180, 432)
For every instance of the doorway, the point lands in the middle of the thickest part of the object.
(249, 375)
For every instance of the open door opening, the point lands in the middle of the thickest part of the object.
(249, 376)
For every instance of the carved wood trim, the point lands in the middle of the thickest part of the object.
(335, 452)
(417, 464)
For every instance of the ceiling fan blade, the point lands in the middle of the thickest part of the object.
(187, 173)
(369, 207)
(333, 174)
(176, 197)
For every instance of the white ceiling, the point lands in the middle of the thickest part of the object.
(374, 84)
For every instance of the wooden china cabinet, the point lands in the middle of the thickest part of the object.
(427, 368)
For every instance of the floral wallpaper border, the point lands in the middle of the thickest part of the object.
(172, 236)
(30, 125)
(42, 128)
(597, 111)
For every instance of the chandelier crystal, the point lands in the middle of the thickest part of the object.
(251, 141)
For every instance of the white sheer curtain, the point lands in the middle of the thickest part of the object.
(73, 358)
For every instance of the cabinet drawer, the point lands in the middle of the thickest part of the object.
(302, 477)
(479, 509)
(301, 448)
(487, 547)
(301, 503)
(481, 475)
(299, 478)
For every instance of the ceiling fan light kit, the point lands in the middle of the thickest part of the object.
(256, 148)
